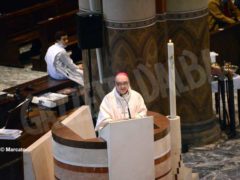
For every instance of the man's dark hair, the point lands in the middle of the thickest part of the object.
(59, 34)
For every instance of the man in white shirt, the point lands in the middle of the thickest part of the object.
(121, 103)
(59, 63)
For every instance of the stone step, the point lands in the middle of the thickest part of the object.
(195, 176)
(185, 173)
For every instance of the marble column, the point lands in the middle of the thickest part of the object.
(188, 29)
(132, 44)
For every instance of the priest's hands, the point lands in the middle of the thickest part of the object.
(80, 66)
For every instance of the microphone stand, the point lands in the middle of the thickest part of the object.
(90, 81)
(129, 114)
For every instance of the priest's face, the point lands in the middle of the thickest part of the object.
(122, 84)
(64, 40)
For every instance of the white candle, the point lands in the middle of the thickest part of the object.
(171, 72)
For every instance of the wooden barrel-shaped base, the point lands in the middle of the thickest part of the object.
(86, 159)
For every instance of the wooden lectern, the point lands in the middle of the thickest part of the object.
(130, 148)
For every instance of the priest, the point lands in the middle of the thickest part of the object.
(121, 103)
(59, 64)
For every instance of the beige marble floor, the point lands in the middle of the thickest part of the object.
(11, 76)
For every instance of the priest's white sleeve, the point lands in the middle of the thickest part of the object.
(64, 64)
(104, 116)
(142, 109)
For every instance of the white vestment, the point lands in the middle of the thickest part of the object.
(50, 58)
(60, 65)
(115, 107)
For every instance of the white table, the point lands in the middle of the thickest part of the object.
(236, 83)
(236, 100)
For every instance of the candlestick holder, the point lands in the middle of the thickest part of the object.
(229, 70)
